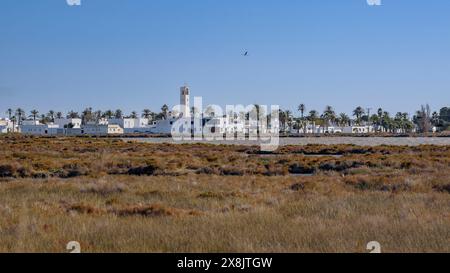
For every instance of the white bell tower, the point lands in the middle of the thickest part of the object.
(184, 102)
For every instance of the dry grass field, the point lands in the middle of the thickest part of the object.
(116, 196)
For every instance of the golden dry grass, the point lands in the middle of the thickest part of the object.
(113, 196)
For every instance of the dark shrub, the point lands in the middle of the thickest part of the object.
(207, 170)
(76, 172)
(232, 172)
(23, 172)
(6, 171)
(148, 211)
(301, 169)
(328, 166)
(144, 170)
(298, 187)
(442, 188)
(339, 166)
(71, 171)
(39, 175)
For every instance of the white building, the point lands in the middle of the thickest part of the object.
(68, 122)
(33, 127)
(358, 129)
(101, 129)
(132, 125)
(6, 126)
(182, 122)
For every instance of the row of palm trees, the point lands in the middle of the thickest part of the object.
(19, 115)
(382, 120)
(88, 115)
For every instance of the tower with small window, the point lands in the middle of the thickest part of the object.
(184, 102)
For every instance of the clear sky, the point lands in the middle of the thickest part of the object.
(135, 54)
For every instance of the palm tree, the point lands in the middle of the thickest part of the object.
(34, 114)
(344, 119)
(146, 113)
(51, 115)
(118, 114)
(9, 112)
(435, 119)
(73, 114)
(97, 115)
(109, 114)
(398, 121)
(328, 115)
(386, 121)
(380, 112)
(313, 116)
(20, 113)
(374, 119)
(14, 120)
(87, 115)
(165, 111)
(44, 119)
(133, 114)
(358, 113)
(59, 115)
(302, 109)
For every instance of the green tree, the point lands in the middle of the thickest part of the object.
(302, 109)
(118, 114)
(313, 116)
(147, 113)
(73, 114)
(328, 116)
(109, 114)
(51, 116)
(344, 119)
(423, 119)
(10, 113)
(87, 115)
(20, 115)
(374, 119)
(165, 111)
(386, 122)
(358, 113)
(34, 114)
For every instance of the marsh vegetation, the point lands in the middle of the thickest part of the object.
(118, 196)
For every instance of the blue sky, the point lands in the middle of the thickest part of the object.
(135, 54)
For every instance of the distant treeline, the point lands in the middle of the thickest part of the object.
(422, 120)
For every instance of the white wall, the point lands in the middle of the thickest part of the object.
(128, 123)
(76, 122)
(41, 130)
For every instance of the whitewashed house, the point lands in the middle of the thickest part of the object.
(358, 129)
(132, 125)
(311, 128)
(163, 126)
(68, 122)
(101, 129)
(34, 127)
(6, 126)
